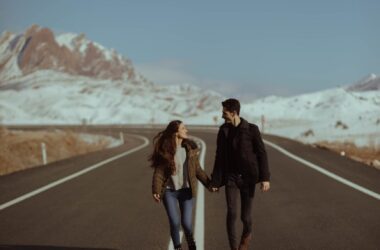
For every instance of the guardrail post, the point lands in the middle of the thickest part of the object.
(43, 149)
(122, 137)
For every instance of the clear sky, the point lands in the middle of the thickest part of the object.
(244, 49)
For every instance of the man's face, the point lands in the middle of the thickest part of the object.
(227, 115)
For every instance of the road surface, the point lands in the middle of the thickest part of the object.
(110, 206)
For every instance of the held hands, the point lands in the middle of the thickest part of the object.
(157, 198)
(213, 189)
(265, 186)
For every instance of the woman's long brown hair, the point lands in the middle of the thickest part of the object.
(165, 147)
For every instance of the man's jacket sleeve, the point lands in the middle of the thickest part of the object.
(259, 147)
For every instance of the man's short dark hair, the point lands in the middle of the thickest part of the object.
(232, 105)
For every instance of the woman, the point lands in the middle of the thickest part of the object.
(176, 168)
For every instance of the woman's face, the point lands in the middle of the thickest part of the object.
(182, 132)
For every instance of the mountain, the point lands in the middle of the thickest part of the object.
(39, 49)
(68, 79)
(369, 83)
(329, 115)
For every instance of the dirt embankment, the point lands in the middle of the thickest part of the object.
(367, 155)
(22, 149)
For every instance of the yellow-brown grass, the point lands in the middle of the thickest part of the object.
(22, 149)
(367, 155)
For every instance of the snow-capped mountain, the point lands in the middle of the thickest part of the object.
(38, 49)
(369, 83)
(331, 115)
(68, 79)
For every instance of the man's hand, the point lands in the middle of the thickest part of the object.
(157, 198)
(265, 186)
(213, 189)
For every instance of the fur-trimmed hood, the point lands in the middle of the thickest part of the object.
(191, 147)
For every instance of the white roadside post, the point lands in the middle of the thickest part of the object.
(43, 149)
(122, 137)
(262, 124)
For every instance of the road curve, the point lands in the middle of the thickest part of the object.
(111, 207)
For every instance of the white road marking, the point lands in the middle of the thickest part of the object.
(199, 227)
(325, 172)
(72, 176)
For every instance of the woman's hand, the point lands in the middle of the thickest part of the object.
(157, 198)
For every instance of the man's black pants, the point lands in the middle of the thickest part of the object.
(236, 185)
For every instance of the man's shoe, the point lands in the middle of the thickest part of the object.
(244, 243)
(192, 246)
(178, 247)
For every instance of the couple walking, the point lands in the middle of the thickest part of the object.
(240, 163)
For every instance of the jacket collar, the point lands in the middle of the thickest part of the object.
(243, 125)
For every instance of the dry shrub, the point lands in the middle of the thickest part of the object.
(340, 124)
(20, 150)
(8, 161)
(308, 133)
(369, 155)
(3, 131)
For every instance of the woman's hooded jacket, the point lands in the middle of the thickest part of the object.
(162, 174)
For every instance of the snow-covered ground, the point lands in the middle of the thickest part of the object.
(329, 115)
(333, 115)
(64, 95)
(49, 97)
(94, 139)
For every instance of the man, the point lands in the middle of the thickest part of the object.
(240, 163)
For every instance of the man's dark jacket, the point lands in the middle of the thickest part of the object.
(252, 155)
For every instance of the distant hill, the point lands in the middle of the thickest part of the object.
(69, 79)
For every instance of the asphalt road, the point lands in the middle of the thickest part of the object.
(111, 206)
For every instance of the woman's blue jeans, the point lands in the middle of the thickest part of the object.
(183, 198)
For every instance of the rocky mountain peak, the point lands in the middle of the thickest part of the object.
(39, 48)
(368, 83)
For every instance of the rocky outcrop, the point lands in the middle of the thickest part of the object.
(38, 48)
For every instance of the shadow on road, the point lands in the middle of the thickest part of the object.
(29, 247)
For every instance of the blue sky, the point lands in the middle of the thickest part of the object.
(244, 49)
